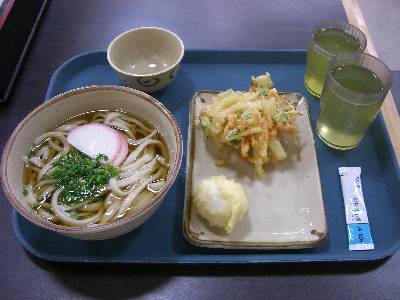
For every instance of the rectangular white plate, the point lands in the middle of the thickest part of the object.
(285, 206)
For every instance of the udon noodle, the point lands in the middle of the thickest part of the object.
(140, 176)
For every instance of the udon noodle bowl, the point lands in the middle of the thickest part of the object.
(66, 186)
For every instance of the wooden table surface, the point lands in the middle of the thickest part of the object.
(72, 26)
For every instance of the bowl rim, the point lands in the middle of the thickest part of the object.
(118, 37)
(35, 218)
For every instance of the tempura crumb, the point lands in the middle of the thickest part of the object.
(219, 162)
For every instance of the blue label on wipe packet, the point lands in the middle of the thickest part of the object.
(360, 237)
(357, 221)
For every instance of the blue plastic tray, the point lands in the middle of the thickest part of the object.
(160, 240)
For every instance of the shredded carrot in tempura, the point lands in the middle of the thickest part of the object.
(252, 121)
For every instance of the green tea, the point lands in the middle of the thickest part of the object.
(334, 41)
(342, 122)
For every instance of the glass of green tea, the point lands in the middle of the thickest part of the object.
(355, 88)
(327, 42)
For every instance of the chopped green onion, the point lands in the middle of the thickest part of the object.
(233, 132)
(235, 142)
(80, 176)
(32, 152)
(245, 116)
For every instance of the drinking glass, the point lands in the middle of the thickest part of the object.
(328, 41)
(355, 88)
